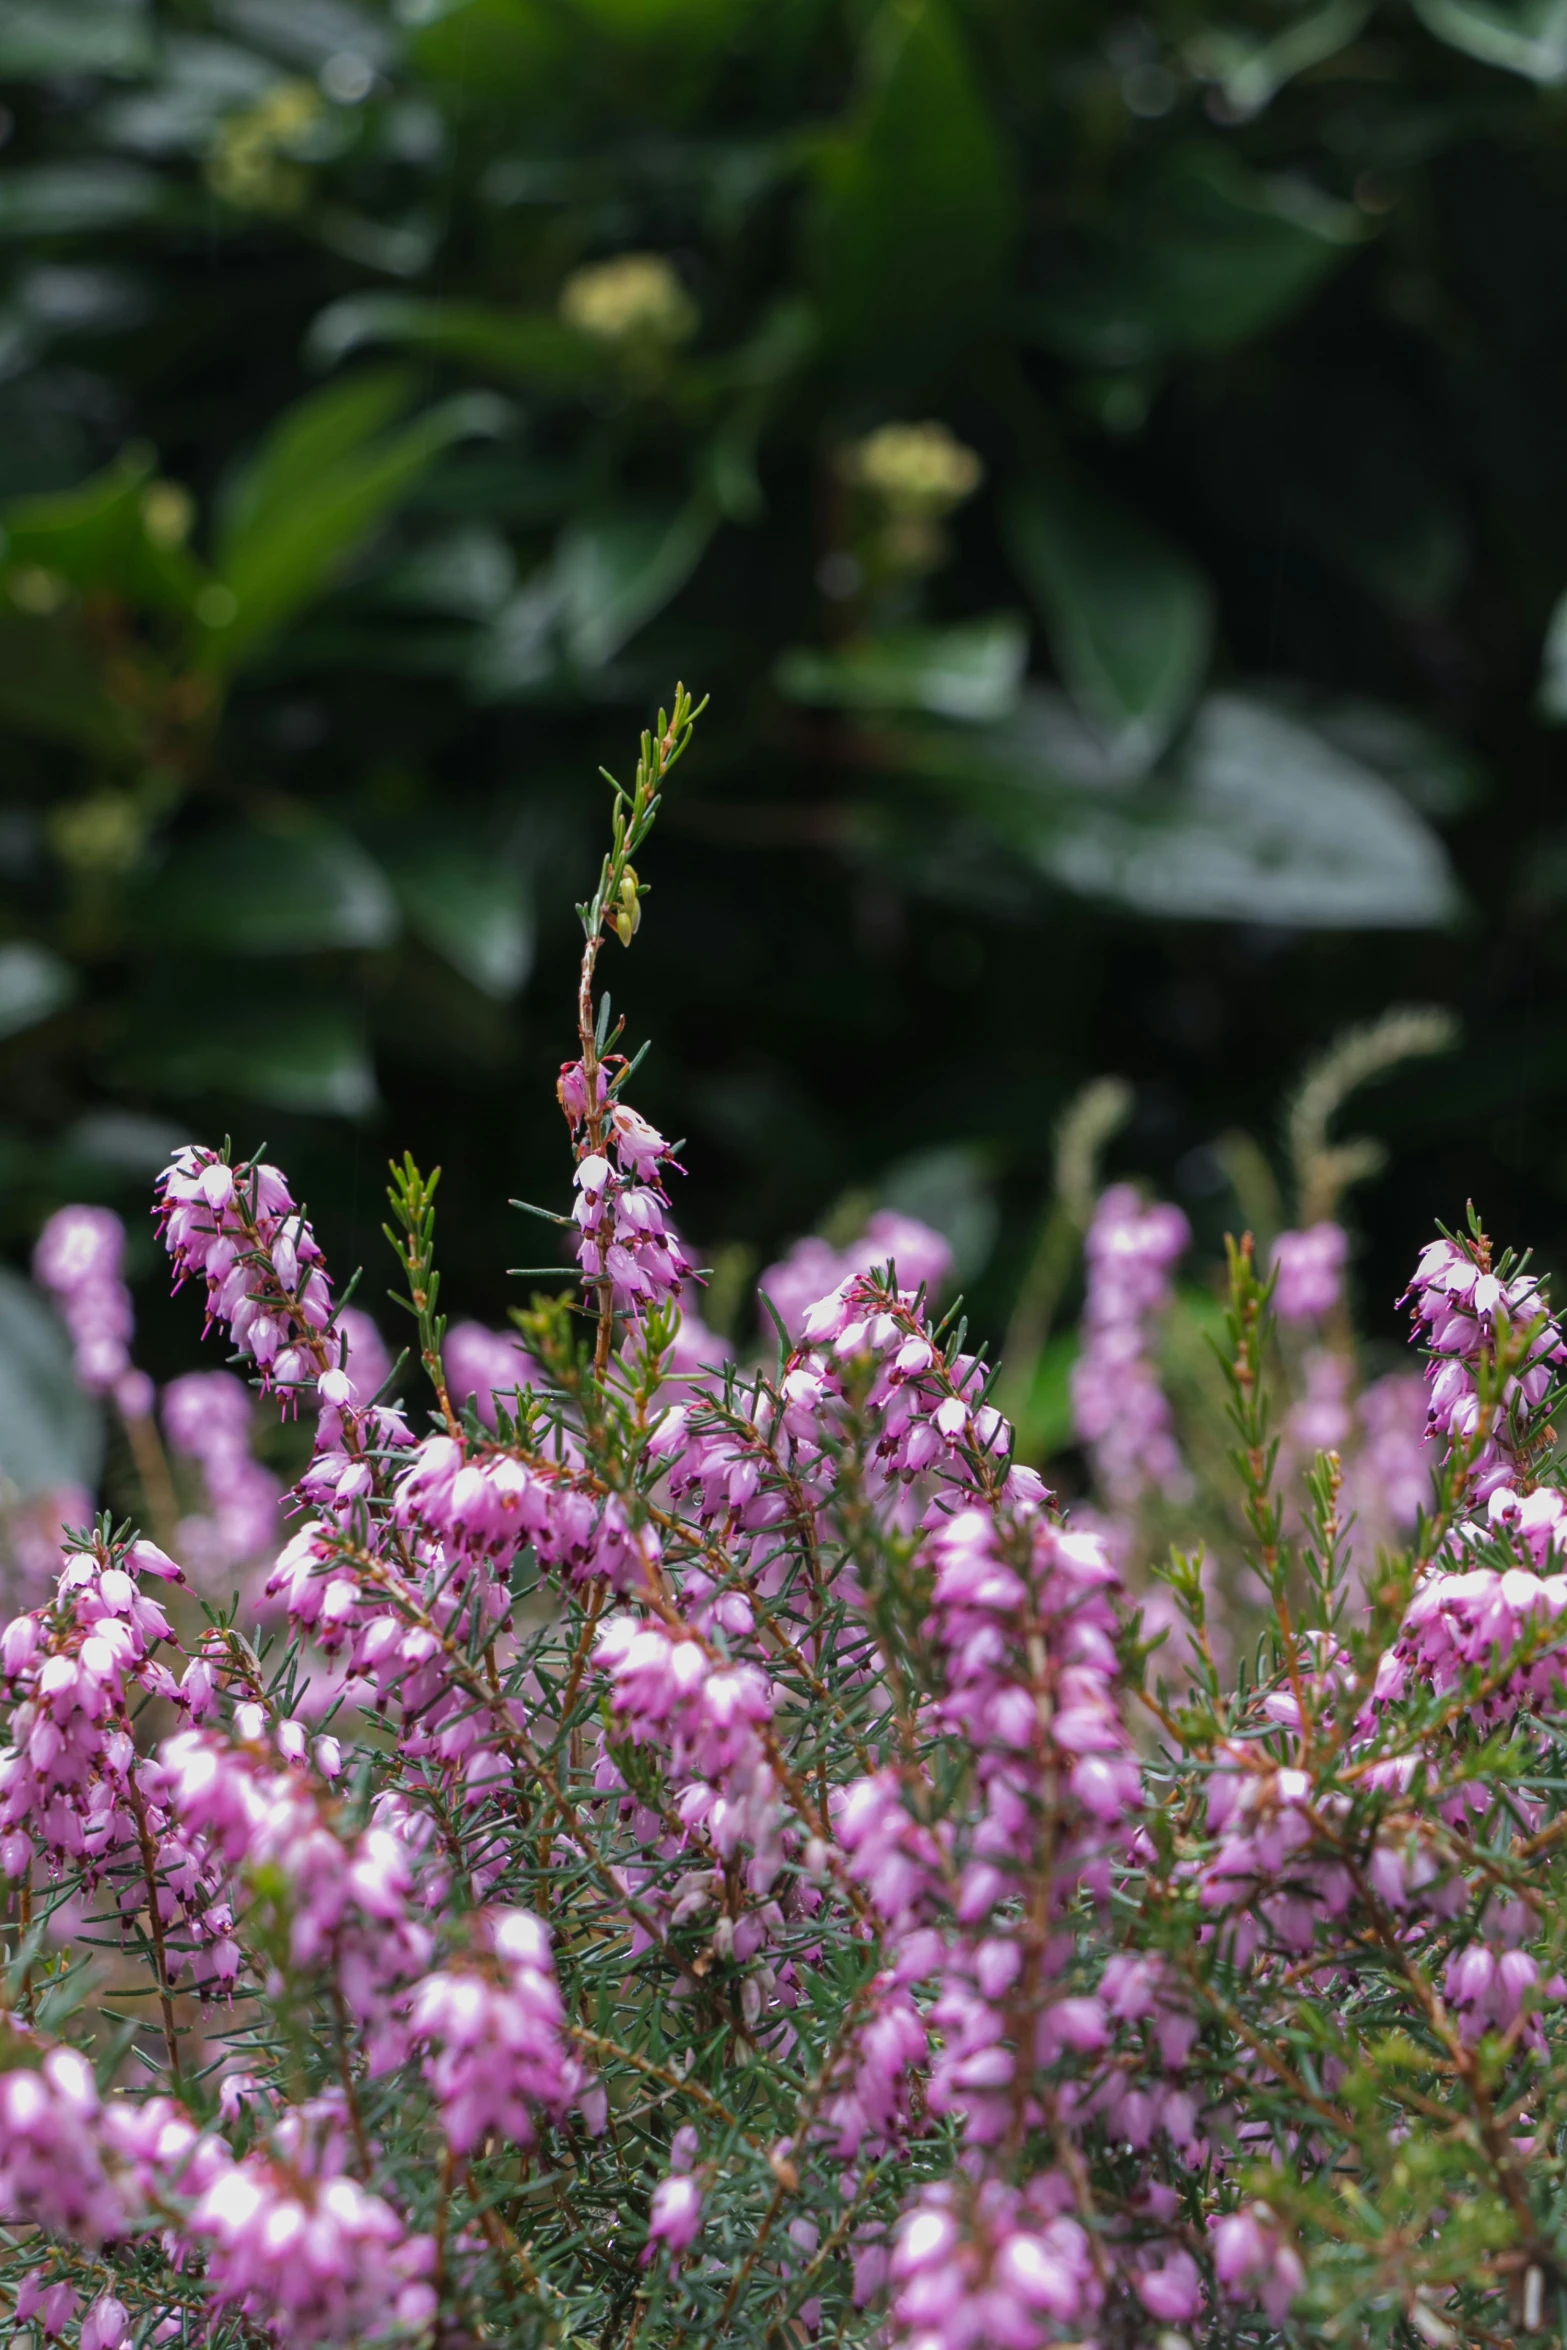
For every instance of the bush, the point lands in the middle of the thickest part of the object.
(1107, 468)
(686, 1850)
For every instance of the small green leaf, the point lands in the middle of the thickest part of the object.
(1130, 619)
(285, 884)
(33, 984)
(971, 671)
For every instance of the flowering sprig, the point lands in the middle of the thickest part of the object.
(704, 1852)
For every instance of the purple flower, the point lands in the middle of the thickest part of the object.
(77, 1259)
(1309, 1267)
(482, 1364)
(1118, 1406)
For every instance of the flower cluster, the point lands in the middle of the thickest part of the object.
(206, 1419)
(495, 2036)
(1118, 1404)
(696, 1850)
(1462, 1309)
(298, 2245)
(920, 1258)
(1309, 1272)
(78, 1260)
(238, 1230)
(625, 1239)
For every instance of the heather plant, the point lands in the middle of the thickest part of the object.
(658, 1848)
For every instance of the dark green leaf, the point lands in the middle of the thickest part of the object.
(98, 538)
(308, 32)
(1252, 64)
(1205, 255)
(1522, 36)
(1261, 820)
(327, 475)
(972, 671)
(616, 573)
(76, 199)
(200, 82)
(33, 984)
(527, 347)
(50, 1432)
(913, 237)
(1552, 700)
(951, 1187)
(52, 685)
(1130, 619)
(41, 38)
(294, 1053)
(471, 906)
(289, 885)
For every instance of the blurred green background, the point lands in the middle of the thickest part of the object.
(1108, 468)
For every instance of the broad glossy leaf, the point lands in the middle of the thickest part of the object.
(304, 443)
(77, 199)
(200, 81)
(1203, 255)
(971, 671)
(470, 573)
(501, 56)
(1129, 617)
(614, 572)
(308, 32)
(33, 984)
(1521, 36)
(325, 479)
(1260, 819)
(97, 536)
(519, 346)
(51, 1434)
(42, 38)
(1552, 699)
(951, 1187)
(289, 885)
(297, 1053)
(1264, 821)
(473, 907)
(913, 237)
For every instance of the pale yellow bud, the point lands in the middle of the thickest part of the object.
(636, 298)
(916, 469)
